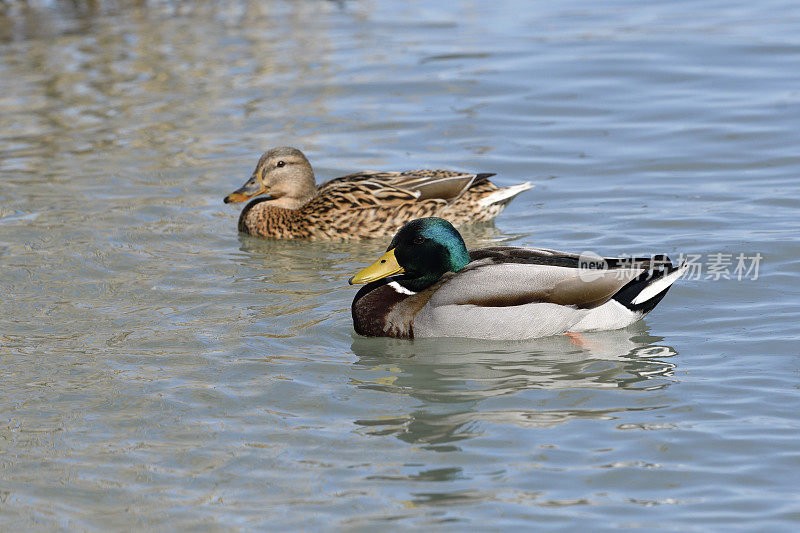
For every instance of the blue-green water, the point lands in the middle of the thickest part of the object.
(160, 371)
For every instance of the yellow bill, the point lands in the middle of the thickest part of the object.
(383, 267)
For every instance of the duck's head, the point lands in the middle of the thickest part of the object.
(419, 254)
(282, 173)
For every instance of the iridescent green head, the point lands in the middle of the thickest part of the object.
(421, 253)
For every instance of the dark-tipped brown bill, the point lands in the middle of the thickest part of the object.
(251, 188)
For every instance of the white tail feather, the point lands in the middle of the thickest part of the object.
(658, 286)
(506, 193)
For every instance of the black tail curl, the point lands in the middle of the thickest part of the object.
(660, 266)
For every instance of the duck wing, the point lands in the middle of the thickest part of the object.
(494, 282)
(412, 185)
(516, 293)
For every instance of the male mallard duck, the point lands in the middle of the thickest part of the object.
(428, 284)
(360, 205)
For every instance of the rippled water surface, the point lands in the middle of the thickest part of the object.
(161, 371)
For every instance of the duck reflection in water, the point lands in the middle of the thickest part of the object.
(453, 378)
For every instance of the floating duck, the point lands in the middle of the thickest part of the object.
(360, 205)
(428, 284)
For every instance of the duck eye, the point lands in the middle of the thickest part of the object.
(280, 164)
(419, 239)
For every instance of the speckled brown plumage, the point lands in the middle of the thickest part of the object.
(363, 204)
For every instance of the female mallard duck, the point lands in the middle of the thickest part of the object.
(429, 285)
(360, 205)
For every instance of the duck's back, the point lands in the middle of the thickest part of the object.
(376, 204)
